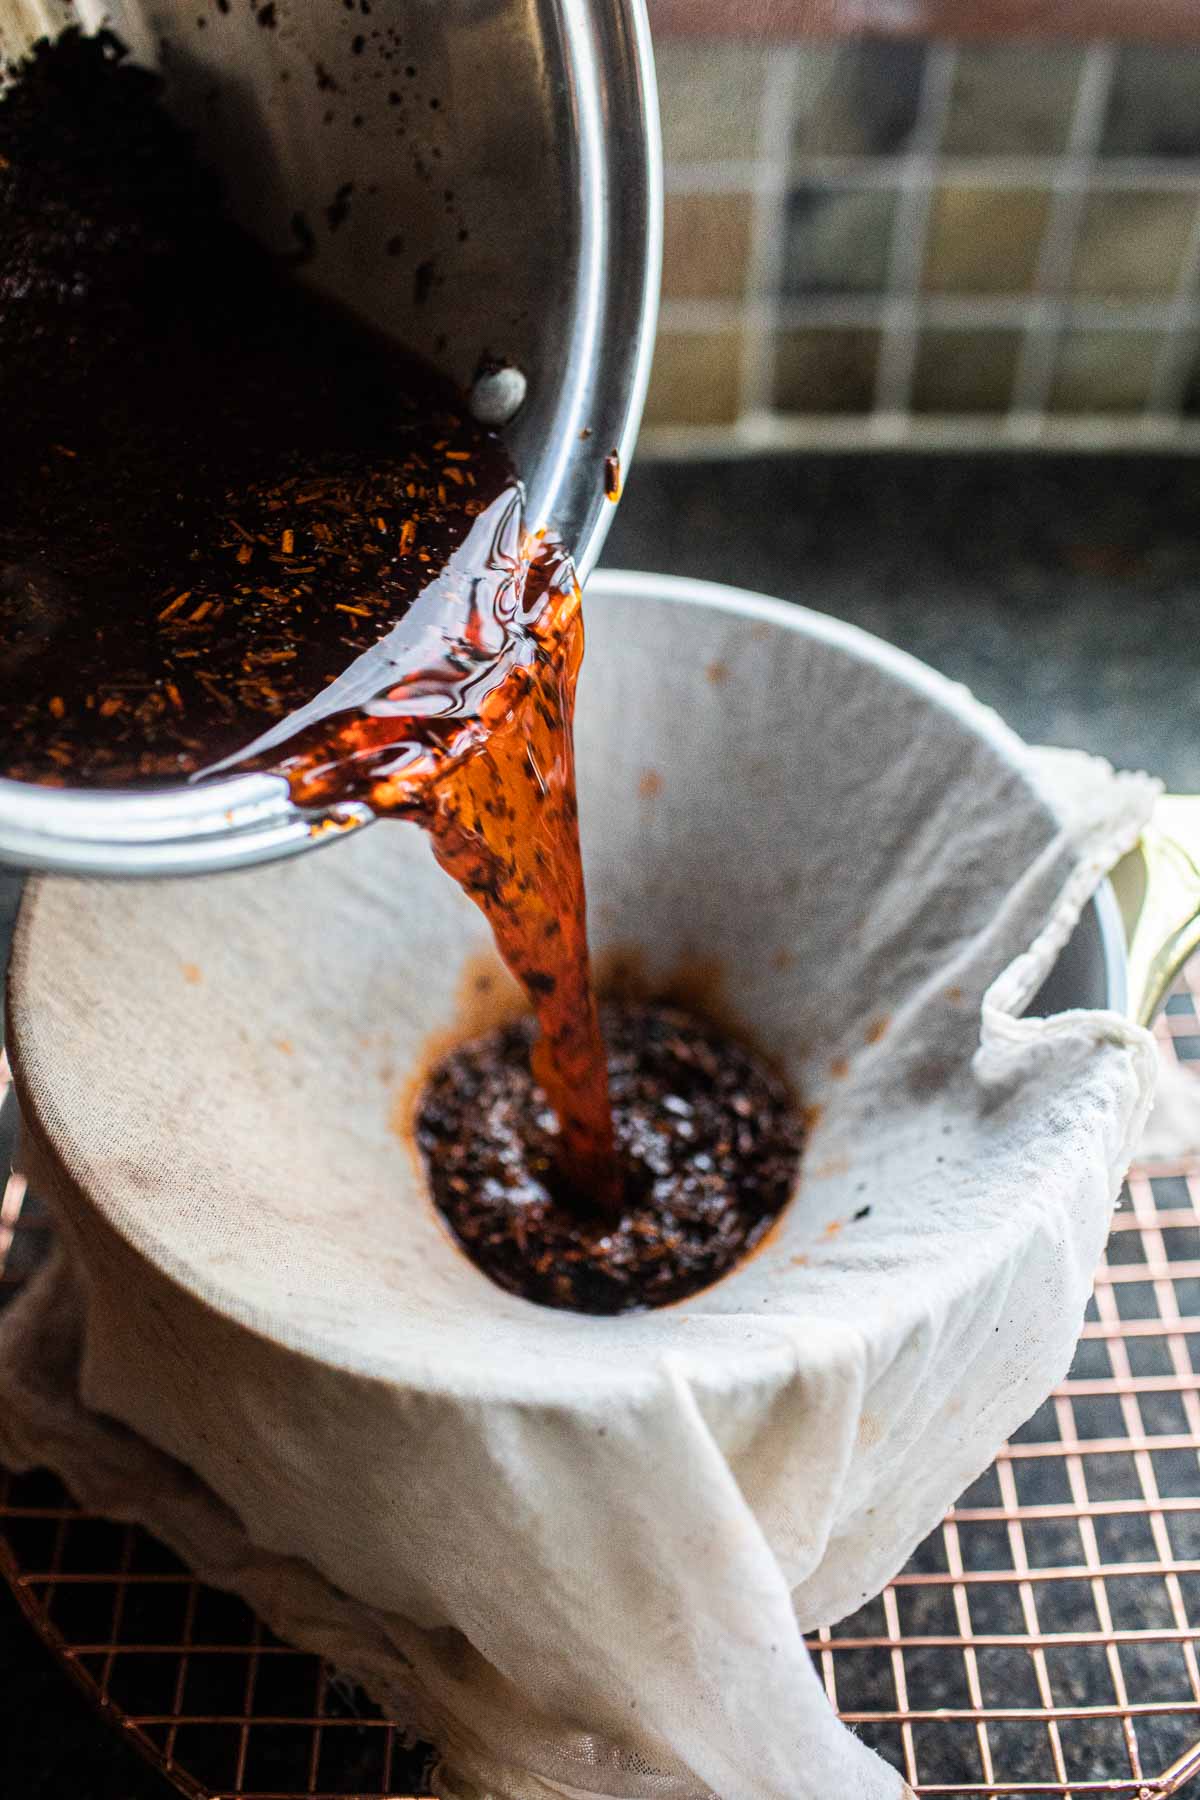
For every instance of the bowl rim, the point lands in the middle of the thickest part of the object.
(901, 665)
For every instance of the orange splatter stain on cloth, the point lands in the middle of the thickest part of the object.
(192, 974)
(870, 1431)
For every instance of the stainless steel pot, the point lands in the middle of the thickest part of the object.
(539, 119)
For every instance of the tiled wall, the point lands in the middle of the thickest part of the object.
(905, 242)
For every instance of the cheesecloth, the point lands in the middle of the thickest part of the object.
(580, 1553)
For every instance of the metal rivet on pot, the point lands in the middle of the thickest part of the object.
(498, 394)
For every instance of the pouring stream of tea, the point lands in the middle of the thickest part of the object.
(478, 747)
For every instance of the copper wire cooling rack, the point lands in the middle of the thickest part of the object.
(1043, 1640)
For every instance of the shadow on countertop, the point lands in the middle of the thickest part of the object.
(1065, 591)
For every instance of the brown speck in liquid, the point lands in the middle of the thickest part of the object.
(876, 1030)
(338, 210)
(839, 1068)
(954, 995)
(717, 673)
(650, 785)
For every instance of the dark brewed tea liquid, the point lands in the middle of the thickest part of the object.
(239, 531)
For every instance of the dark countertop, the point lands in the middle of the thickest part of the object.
(1063, 591)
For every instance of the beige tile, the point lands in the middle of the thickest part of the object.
(825, 370)
(1012, 99)
(1132, 244)
(984, 240)
(965, 371)
(706, 246)
(1104, 371)
(710, 96)
(696, 378)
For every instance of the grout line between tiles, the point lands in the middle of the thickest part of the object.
(910, 225)
(734, 176)
(768, 433)
(971, 312)
(1135, 174)
(758, 313)
(1069, 188)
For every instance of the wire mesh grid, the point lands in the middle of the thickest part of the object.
(1043, 1640)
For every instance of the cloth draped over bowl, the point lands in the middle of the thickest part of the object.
(581, 1554)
